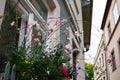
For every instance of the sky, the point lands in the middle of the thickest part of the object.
(97, 16)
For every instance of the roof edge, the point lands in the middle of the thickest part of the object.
(106, 13)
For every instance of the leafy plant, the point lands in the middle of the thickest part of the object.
(40, 64)
(88, 71)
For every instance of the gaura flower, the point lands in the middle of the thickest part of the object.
(69, 38)
(12, 23)
(36, 40)
(63, 64)
(67, 30)
(63, 21)
(68, 46)
(39, 34)
(77, 33)
(48, 72)
(58, 23)
(52, 17)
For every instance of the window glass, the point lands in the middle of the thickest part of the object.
(113, 61)
(115, 13)
(40, 7)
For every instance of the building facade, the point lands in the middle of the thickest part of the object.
(30, 13)
(110, 26)
(100, 66)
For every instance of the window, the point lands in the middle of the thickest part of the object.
(113, 61)
(76, 6)
(102, 60)
(109, 30)
(115, 12)
(104, 78)
(18, 26)
(40, 7)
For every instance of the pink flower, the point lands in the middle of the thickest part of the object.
(68, 46)
(77, 33)
(52, 17)
(58, 23)
(36, 40)
(63, 21)
(67, 30)
(69, 38)
(109, 61)
(12, 23)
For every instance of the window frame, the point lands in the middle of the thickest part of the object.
(43, 11)
(109, 29)
(76, 6)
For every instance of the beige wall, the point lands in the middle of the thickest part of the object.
(113, 41)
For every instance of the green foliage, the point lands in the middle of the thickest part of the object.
(23, 65)
(39, 64)
(89, 71)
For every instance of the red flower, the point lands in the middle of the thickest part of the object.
(64, 69)
(65, 78)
